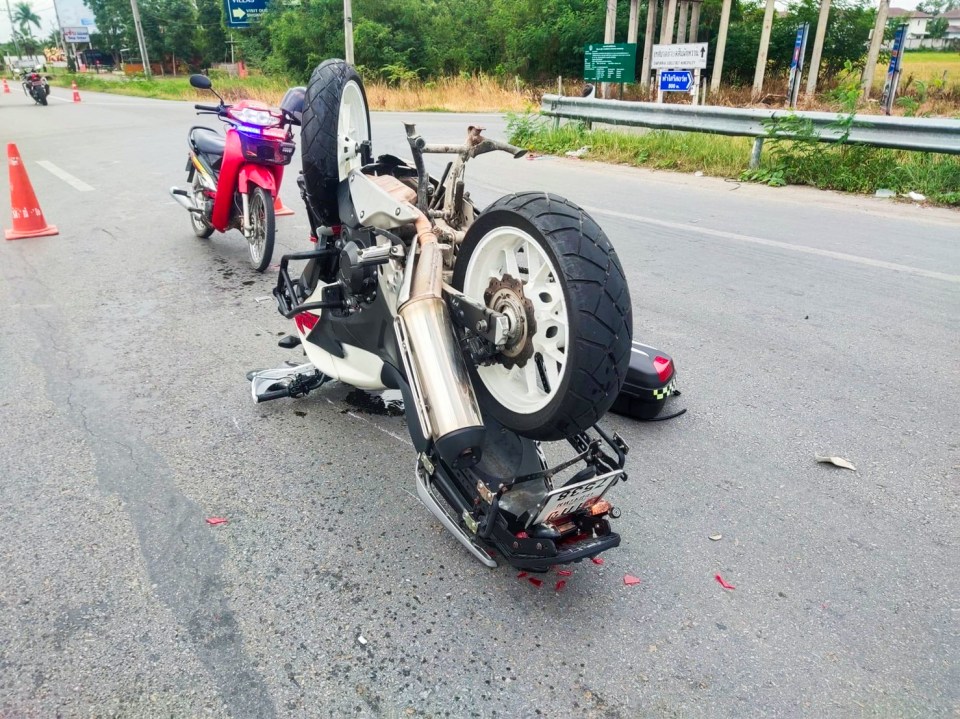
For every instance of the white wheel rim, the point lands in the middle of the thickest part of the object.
(352, 129)
(510, 250)
(258, 231)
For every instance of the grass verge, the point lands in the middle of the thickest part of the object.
(845, 167)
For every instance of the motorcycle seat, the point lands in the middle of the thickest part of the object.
(207, 141)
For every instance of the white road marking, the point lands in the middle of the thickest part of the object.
(721, 234)
(65, 176)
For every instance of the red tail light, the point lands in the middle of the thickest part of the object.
(664, 367)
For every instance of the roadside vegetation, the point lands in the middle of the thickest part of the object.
(830, 166)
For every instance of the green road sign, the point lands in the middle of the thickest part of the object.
(610, 63)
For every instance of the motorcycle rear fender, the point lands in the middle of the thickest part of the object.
(267, 178)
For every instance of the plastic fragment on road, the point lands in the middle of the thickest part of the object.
(723, 583)
(214, 521)
(535, 582)
(362, 640)
(521, 575)
(916, 196)
(561, 584)
(883, 192)
(596, 560)
(578, 153)
(716, 537)
(630, 580)
(564, 572)
(836, 461)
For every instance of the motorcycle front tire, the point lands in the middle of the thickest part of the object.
(335, 99)
(573, 279)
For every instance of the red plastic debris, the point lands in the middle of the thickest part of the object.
(561, 584)
(522, 535)
(521, 575)
(564, 572)
(596, 560)
(535, 582)
(629, 579)
(723, 583)
(217, 520)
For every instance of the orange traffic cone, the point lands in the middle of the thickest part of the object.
(27, 216)
(280, 209)
(76, 92)
(6, 87)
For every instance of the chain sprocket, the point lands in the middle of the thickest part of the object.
(506, 296)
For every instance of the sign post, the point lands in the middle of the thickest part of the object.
(796, 64)
(893, 70)
(678, 68)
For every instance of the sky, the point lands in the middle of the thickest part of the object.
(48, 19)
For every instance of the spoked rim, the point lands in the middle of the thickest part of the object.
(512, 251)
(352, 128)
(196, 219)
(258, 228)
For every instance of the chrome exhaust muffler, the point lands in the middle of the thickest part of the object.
(184, 198)
(447, 406)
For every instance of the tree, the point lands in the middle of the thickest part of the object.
(24, 17)
(211, 39)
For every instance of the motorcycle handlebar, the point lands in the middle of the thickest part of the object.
(207, 108)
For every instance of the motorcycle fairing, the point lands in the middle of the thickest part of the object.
(227, 181)
(266, 177)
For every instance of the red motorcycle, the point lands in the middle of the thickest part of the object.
(235, 178)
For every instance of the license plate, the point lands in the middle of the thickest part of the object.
(567, 500)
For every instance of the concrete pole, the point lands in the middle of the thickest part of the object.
(762, 54)
(682, 21)
(143, 43)
(648, 42)
(818, 47)
(669, 20)
(634, 22)
(874, 52)
(609, 33)
(13, 31)
(694, 20)
(721, 46)
(348, 31)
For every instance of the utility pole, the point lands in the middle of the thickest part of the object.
(694, 20)
(140, 40)
(818, 47)
(875, 42)
(348, 31)
(721, 46)
(762, 54)
(13, 32)
(609, 33)
(669, 18)
(648, 43)
(682, 22)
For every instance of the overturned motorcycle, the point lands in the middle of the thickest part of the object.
(502, 329)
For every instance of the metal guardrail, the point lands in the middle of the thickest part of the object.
(901, 133)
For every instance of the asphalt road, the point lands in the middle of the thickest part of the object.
(802, 323)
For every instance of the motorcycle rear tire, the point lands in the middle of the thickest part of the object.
(331, 82)
(201, 228)
(42, 99)
(581, 302)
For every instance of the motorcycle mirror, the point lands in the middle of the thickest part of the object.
(201, 82)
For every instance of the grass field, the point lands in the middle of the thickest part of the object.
(929, 83)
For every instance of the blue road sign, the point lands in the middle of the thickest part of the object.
(676, 80)
(240, 13)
